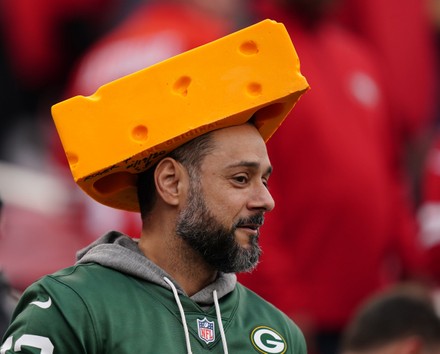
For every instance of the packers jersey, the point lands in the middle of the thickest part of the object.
(89, 308)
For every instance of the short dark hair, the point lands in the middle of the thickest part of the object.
(190, 155)
(390, 317)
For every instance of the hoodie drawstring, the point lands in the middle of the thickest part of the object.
(185, 325)
(182, 314)
(220, 322)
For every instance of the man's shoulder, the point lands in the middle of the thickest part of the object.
(80, 271)
(254, 301)
(90, 277)
(253, 296)
(87, 285)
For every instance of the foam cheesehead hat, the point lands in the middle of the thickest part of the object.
(131, 123)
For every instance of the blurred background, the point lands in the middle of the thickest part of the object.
(356, 168)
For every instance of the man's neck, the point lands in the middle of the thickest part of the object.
(179, 260)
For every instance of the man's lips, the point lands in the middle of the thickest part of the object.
(253, 227)
(252, 223)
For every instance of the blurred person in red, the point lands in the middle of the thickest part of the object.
(39, 41)
(429, 211)
(403, 36)
(341, 230)
(429, 208)
(151, 32)
(42, 37)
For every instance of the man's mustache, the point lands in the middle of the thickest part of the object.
(257, 220)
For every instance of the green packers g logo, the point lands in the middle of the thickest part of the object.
(268, 341)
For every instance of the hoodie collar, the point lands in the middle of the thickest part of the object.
(120, 252)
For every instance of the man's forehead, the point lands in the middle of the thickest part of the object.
(244, 131)
(241, 138)
(239, 146)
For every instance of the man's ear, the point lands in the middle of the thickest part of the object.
(170, 177)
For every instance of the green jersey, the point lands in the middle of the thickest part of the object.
(105, 306)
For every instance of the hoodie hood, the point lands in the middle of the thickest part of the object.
(120, 252)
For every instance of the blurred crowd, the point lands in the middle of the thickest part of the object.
(356, 167)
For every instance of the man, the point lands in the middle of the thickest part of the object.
(202, 205)
(204, 221)
(394, 323)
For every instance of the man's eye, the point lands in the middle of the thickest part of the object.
(241, 179)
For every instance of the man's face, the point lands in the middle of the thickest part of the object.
(226, 204)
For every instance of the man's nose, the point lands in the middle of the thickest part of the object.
(262, 199)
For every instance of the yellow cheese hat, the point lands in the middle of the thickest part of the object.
(129, 124)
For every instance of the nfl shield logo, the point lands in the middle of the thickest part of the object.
(206, 330)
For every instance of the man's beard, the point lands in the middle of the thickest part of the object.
(214, 242)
